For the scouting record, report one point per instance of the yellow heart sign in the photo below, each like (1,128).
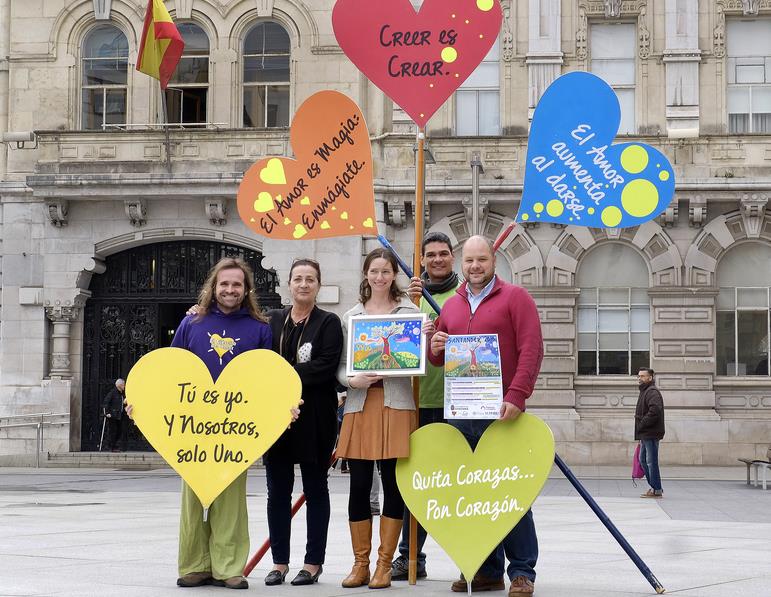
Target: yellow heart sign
(469,501)
(212,432)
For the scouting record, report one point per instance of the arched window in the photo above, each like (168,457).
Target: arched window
(188,89)
(266,76)
(743,318)
(613,312)
(104,81)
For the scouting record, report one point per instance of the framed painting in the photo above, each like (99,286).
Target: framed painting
(392,345)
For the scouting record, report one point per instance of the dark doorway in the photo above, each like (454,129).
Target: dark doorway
(168,319)
(135,307)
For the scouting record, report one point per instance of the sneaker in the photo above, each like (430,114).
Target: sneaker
(234,582)
(521,585)
(400,569)
(478,583)
(195,579)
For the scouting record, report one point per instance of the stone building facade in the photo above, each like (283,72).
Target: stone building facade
(106,224)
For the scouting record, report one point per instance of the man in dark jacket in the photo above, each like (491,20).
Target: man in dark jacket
(112,409)
(649,430)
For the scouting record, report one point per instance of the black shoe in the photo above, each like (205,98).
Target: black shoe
(306,578)
(400,569)
(276,577)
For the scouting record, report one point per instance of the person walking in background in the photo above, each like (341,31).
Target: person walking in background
(311,340)
(649,430)
(485,304)
(441,282)
(379,417)
(112,410)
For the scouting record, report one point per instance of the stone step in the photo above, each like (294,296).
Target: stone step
(122,460)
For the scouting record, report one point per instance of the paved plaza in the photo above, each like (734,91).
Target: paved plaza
(81,532)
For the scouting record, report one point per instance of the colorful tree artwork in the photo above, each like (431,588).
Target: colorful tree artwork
(386,345)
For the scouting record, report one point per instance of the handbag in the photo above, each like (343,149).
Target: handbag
(637,469)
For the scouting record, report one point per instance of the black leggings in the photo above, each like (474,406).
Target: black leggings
(361,484)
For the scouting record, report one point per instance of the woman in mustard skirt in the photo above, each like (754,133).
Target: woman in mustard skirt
(378,419)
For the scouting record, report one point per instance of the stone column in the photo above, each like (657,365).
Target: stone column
(681,58)
(62,317)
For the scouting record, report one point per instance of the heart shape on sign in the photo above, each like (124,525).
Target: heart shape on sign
(211,432)
(327,190)
(574,175)
(469,501)
(418,58)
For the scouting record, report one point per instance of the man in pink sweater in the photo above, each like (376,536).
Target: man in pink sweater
(485,304)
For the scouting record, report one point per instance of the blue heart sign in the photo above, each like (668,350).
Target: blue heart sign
(575,175)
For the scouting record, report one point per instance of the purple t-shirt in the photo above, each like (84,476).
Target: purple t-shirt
(216,338)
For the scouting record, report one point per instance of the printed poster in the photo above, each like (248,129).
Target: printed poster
(473,387)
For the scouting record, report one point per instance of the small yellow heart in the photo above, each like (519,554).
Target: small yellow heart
(287,221)
(299,231)
(368,223)
(305,201)
(344,215)
(273,173)
(325,225)
(264,203)
(334,208)
(221,345)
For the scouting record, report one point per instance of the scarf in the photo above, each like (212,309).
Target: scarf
(448,283)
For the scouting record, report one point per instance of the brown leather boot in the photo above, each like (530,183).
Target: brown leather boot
(390,530)
(361,540)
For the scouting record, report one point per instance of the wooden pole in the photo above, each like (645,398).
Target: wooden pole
(420,184)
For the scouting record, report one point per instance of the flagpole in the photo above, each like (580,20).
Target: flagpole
(419,214)
(165,118)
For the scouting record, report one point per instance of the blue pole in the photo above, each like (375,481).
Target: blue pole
(608,524)
(405,268)
(646,572)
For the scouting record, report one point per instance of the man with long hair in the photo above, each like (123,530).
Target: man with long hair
(213,549)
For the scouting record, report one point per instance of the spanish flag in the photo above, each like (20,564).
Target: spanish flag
(161,46)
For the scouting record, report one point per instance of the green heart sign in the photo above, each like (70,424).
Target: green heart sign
(469,501)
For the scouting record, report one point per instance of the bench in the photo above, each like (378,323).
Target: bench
(758,465)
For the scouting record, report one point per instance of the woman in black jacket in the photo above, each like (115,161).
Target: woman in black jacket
(311,340)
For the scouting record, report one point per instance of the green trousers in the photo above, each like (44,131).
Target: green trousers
(220,544)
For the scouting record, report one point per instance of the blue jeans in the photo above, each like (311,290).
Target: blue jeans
(427,416)
(520,546)
(649,460)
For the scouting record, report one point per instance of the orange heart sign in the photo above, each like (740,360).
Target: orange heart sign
(327,190)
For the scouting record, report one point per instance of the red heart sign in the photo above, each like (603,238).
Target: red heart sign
(327,191)
(417,59)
